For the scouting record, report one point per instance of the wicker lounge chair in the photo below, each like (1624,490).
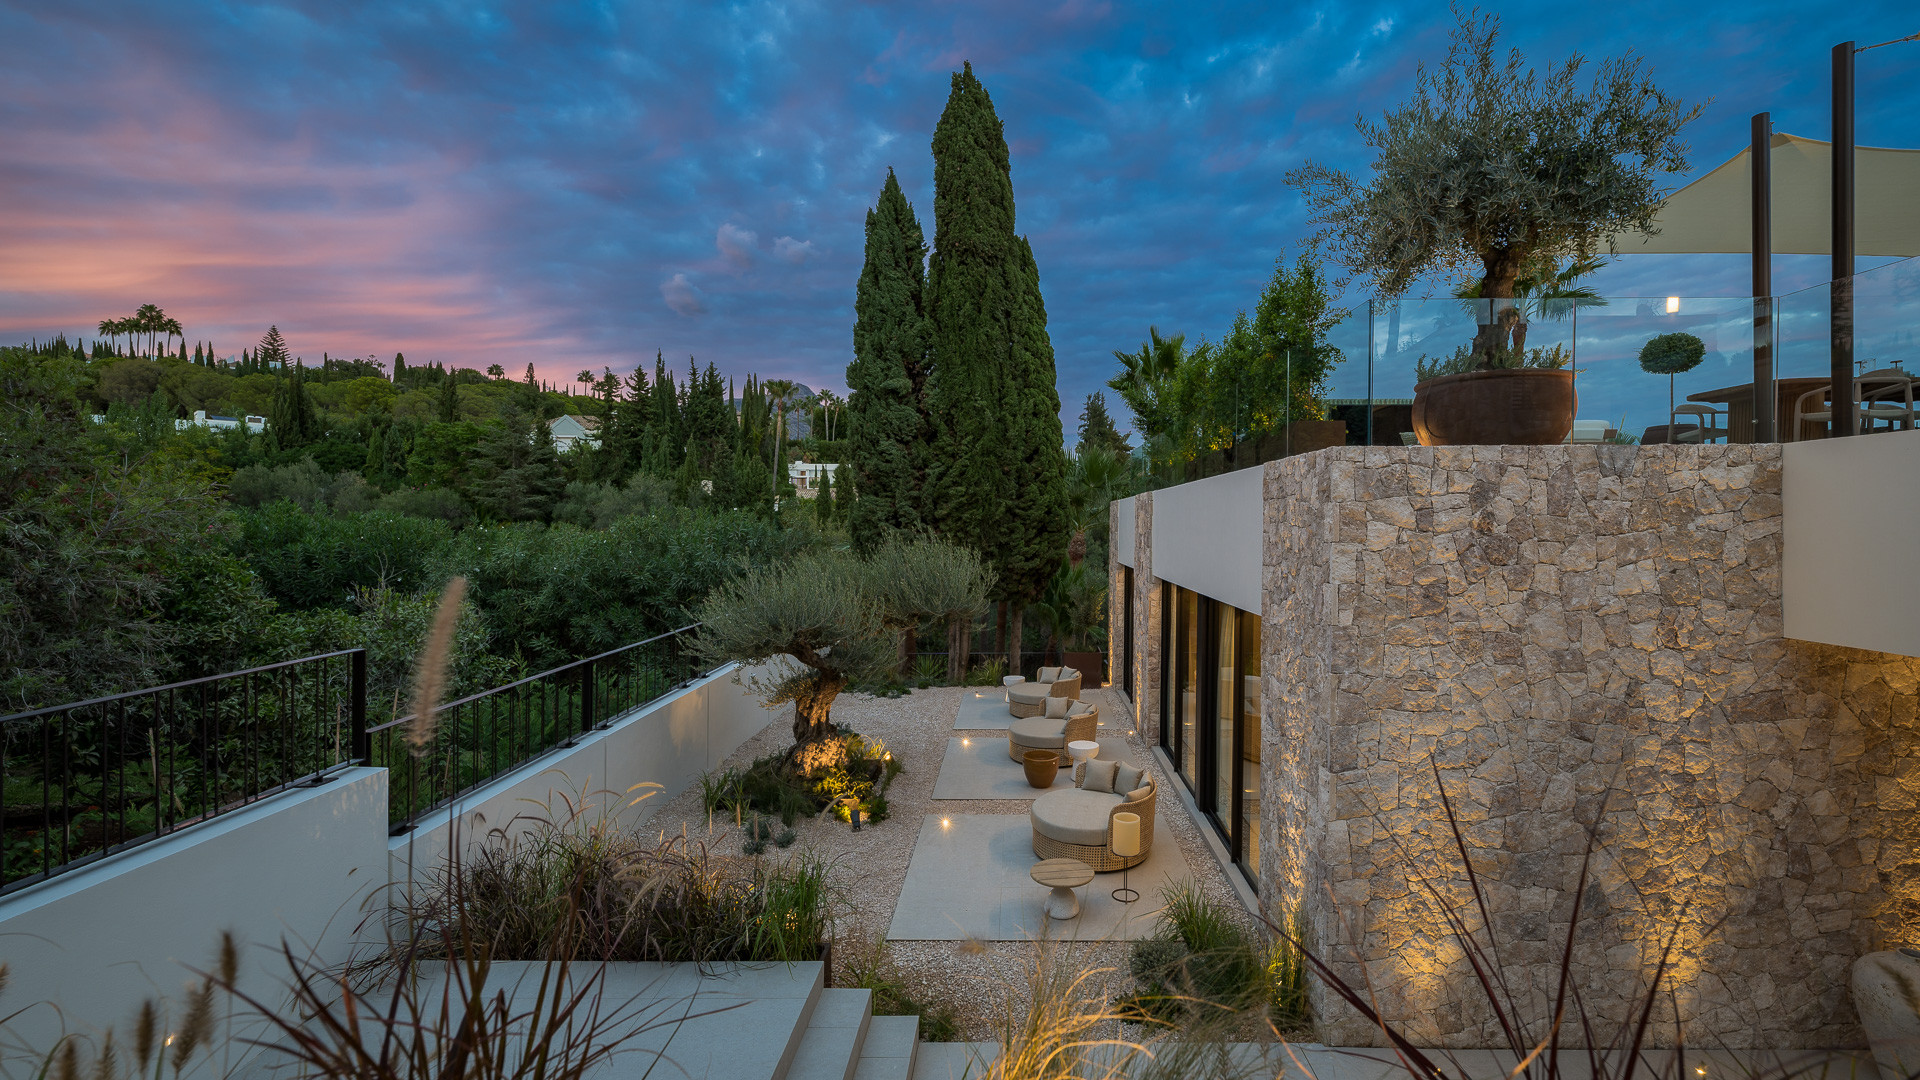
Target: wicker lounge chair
(1072,823)
(1030,698)
(1052,733)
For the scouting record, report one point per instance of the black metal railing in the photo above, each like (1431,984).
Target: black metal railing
(82,781)
(478,737)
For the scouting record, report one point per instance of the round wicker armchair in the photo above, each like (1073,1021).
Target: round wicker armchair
(1082,722)
(1074,824)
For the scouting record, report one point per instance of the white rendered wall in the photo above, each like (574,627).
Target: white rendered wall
(1850,519)
(1123,532)
(1208,536)
(314,867)
(305,867)
(669,742)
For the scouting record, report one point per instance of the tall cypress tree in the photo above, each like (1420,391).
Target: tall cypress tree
(291,419)
(996,481)
(449,400)
(889,429)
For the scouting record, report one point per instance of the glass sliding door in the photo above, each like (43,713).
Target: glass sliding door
(1247,838)
(1187,745)
(1222,709)
(1169,668)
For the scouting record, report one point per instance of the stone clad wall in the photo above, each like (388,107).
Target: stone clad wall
(1546,625)
(1146,623)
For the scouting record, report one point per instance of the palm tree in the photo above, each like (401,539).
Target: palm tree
(150,320)
(495,371)
(1144,375)
(585,378)
(779,392)
(174,329)
(1095,477)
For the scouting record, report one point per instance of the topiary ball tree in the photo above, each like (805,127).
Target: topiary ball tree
(1670,355)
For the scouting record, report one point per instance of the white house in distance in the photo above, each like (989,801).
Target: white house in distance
(255,424)
(805,476)
(570,431)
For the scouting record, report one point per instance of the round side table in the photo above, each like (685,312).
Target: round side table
(1082,749)
(1062,876)
(1011,681)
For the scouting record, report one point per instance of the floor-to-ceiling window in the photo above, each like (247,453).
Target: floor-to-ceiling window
(1210,672)
(1247,840)
(1218,796)
(1187,754)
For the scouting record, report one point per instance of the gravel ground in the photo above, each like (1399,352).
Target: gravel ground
(971,978)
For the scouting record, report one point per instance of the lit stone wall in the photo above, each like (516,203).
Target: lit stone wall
(1146,623)
(1546,624)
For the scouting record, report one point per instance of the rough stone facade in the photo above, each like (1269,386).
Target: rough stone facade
(1572,636)
(1146,623)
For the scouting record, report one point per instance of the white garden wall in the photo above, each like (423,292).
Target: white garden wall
(312,867)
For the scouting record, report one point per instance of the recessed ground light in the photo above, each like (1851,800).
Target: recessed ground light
(966,742)
(945,822)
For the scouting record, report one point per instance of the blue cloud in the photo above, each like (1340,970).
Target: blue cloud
(569,183)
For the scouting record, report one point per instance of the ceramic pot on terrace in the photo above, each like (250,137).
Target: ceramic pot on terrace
(1042,766)
(1507,406)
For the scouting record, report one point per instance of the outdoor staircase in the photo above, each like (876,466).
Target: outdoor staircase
(769,1022)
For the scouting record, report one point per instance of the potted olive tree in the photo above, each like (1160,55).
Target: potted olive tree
(1497,169)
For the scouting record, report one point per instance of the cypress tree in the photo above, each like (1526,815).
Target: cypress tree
(823,499)
(291,419)
(399,367)
(889,430)
(996,481)
(449,400)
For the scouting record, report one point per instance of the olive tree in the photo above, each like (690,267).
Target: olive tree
(925,580)
(811,625)
(1491,167)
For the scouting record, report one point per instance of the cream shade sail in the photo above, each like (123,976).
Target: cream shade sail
(1712,213)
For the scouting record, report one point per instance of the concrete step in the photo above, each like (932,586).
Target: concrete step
(888,1052)
(954,1061)
(830,1046)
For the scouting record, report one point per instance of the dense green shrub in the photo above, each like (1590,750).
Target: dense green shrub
(554,594)
(309,560)
(1202,959)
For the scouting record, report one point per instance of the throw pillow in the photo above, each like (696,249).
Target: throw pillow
(1047,674)
(1067,673)
(1099,775)
(1057,708)
(1139,793)
(1127,778)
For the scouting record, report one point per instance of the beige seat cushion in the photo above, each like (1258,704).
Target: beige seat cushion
(1073,816)
(1039,731)
(1027,693)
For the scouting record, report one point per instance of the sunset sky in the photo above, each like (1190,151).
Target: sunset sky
(580,185)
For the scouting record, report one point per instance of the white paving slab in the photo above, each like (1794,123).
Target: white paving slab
(971,878)
(983,710)
(977,767)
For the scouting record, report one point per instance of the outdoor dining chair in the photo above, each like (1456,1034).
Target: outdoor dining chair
(1695,423)
(1886,397)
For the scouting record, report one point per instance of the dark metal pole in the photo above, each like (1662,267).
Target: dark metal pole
(1761,156)
(362,742)
(1840,299)
(1370,370)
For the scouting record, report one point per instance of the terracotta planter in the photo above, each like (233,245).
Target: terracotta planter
(1089,664)
(1516,406)
(1042,766)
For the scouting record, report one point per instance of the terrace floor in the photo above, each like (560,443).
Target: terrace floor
(954,900)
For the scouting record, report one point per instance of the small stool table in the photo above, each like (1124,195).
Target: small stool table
(1082,749)
(1062,876)
(1010,681)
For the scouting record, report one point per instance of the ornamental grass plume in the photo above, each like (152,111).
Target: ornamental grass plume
(430,677)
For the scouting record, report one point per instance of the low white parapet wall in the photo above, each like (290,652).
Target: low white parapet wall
(668,742)
(314,867)
(1851,510)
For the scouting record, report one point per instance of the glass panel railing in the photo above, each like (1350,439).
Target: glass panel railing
(1637,369)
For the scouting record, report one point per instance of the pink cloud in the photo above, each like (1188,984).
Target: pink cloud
(682,296)
(736,245)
